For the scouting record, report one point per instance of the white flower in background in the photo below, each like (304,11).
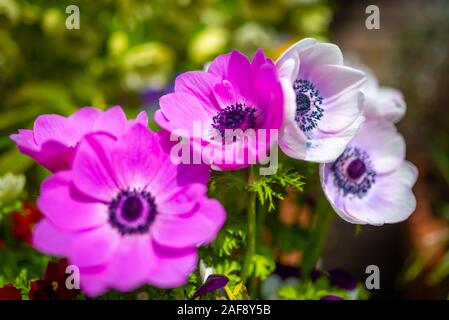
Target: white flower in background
(205,271)
(381,103)
(11,186)
(322,101)
(371,182)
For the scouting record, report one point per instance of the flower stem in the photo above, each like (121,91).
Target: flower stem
(251,231)
(315,247)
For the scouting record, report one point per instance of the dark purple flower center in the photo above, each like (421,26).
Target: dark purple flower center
(353,172)
(234,117)
(132,211)
(356,169)
(308,105)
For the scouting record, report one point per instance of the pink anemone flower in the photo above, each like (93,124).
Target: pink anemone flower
(54,138)
(125,214)
(228,105)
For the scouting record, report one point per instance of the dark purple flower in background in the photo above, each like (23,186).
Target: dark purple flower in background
(331,298)
(213,282)
(342,279)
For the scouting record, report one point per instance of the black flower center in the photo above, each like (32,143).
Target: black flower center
(132,208)
(234,117)
(308,105)
(353,172)
(356,169)
(132,211)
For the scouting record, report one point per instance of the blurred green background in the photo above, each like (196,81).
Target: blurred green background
(126,51)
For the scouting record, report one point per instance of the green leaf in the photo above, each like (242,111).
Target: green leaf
(15,162)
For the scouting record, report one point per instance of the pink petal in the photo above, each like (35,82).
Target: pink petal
(135,258)
(269,96)
(51,240)
(225,94)
(66,208)
(84,119)
(141,118)
(93,173)
(191,230)
(183,200)
(25,142)
(136,157)
(112,121)
(95,246)
(55,156)
(181,110)
(240,74)
(92,282)
(54,127)
(259,59)
(199,84)
(219,67)
(174,267)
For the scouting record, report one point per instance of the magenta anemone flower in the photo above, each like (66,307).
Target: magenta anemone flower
(230,101)
(126,215)
(322,101)
(371,183)
(54,138)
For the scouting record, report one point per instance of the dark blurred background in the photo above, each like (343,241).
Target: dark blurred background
(409,52)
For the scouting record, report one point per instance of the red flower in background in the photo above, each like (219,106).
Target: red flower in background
(53,286)
(24,220)
(9,292)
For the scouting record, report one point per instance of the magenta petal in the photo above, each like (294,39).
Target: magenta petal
(269,96)
(219,67)
(135,258)
(181,110)
(52,240)
(199,84)
(195,229)
(174,267)
(25,142)
(171,175)
(84,119)
(136,157)
(93,173)
(184,200)
(240,74)
(66,208)
(259,59)
(111,121)
(92,282)
(141,118)
(225,94)
(94,247)
(54,127)
(55,156)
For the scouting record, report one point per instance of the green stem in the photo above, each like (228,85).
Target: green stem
(316,243)
(251,232)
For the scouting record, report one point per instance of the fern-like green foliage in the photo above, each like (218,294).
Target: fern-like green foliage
(271,187)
